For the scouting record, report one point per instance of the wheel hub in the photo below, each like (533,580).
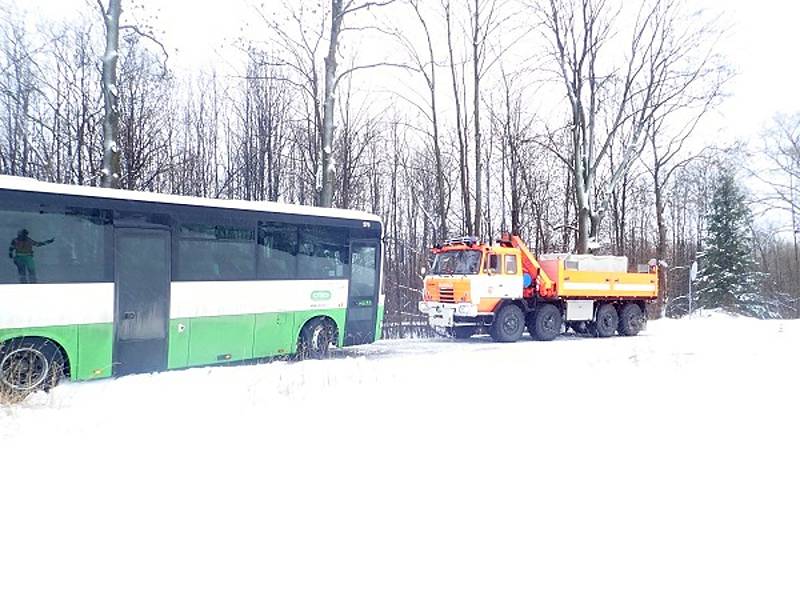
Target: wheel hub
(510,324)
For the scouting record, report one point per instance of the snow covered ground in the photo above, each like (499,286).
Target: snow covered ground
(663,466)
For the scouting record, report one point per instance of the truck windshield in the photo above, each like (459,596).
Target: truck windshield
(457,262)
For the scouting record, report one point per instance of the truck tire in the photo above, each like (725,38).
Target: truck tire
(631,320)
(508,324)
(606,321)
(545,324)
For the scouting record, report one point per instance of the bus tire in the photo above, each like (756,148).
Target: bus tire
(316,339)
(464,332)
(508,324)
(631,320)
(545,324)
(28,365)
(606,321)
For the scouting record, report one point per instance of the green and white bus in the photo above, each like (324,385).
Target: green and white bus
(99,283)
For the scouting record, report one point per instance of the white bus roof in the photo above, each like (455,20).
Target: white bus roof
(26,184)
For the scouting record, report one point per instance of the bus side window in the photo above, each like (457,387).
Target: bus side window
(50,244)
(212,252)
(277,251)
(511,264)
(323,253)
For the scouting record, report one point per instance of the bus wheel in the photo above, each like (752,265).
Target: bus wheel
(631,320)
(29,364)
(508,324)
(316,339)
(606,321)
(545,324)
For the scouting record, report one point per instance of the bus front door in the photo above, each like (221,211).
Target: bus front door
(362,304)
(141,309)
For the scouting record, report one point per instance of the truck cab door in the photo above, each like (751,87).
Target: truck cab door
(512,275)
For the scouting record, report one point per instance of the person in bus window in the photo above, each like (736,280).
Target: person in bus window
(21,252)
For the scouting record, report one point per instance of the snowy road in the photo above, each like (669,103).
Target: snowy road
(663,466)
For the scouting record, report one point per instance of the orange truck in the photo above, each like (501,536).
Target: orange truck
(503,289)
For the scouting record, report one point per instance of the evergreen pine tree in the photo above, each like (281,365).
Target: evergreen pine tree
(728,276)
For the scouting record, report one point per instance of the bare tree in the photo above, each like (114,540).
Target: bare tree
(427,67)
(110,171)
(485,24)
(693,80)
(302,57)
(461,119)
(18,93)
(111,154)
(340,11)
(606,102)
(781,155)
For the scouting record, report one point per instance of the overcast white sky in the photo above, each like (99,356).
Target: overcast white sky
(761,45)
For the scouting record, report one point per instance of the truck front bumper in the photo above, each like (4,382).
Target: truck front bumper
(442,314)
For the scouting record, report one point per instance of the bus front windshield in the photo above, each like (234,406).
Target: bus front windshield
(457,262)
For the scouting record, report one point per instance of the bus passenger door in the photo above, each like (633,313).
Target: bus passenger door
(141,309)
(362,304)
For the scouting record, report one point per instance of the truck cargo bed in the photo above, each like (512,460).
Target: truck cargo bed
(572,283)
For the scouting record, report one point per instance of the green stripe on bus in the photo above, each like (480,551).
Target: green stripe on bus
(214,340)
(379,323)
(192,342)
(95,346)
(88,347)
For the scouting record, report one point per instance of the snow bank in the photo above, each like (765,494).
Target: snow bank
(663,466)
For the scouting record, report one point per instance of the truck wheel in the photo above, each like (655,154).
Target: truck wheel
(631,320)
(463,333)
(606,321)
(508,324)
(545,324)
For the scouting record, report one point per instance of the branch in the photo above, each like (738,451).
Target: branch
(352,70)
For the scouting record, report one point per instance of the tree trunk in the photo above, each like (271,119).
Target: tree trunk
(111,154)
(462,150)
(477,119)
(661,246)
(327,165)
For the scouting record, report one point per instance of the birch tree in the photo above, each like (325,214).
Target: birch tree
(341,11)
(110,171)
(315,28)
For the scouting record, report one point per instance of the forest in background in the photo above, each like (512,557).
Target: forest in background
(576,125)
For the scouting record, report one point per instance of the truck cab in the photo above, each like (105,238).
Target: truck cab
(466,282)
